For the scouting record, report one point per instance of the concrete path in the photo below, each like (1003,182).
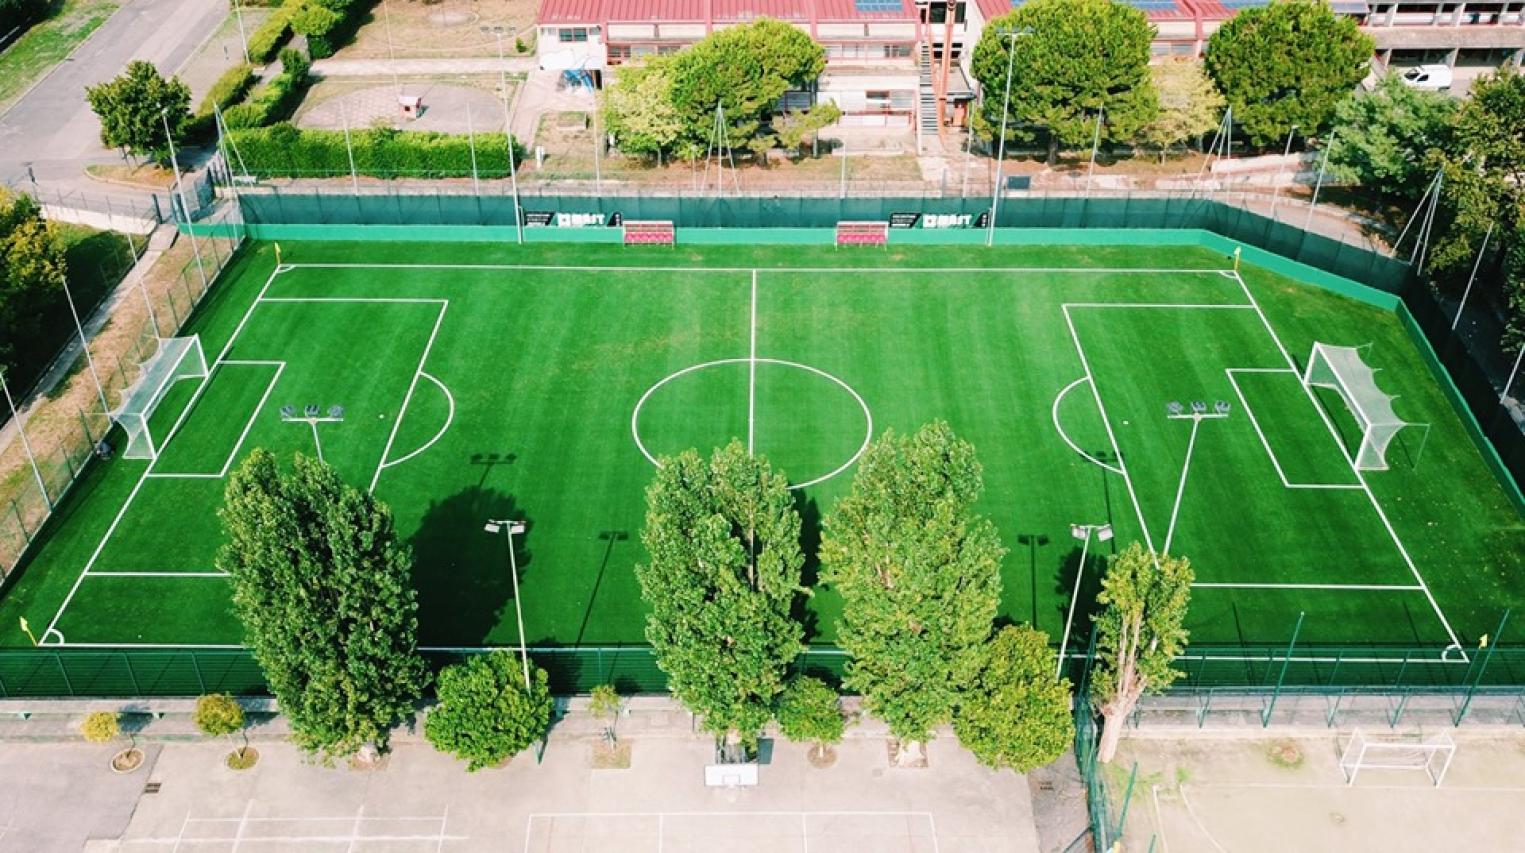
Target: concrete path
(52,127)
(422,800)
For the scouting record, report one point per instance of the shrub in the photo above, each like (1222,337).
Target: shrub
(269,36)
(484,713)
(808,711)
(218,715)
(101,727)
(284,151)
(1015,713)
(278,99)
(229,89)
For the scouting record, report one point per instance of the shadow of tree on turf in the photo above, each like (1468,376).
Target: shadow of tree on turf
(462,572)
(810,571)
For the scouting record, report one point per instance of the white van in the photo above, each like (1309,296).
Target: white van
(1433,78)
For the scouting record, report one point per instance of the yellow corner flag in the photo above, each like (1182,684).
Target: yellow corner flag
(28,629)
(277,254)
(1483,643)
(1237,249)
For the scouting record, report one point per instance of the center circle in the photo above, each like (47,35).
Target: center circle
(750,407)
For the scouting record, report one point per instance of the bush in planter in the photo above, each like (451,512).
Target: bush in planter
(809,711)
(220,715)
(485,715)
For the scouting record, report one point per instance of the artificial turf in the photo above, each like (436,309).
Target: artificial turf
(484,381)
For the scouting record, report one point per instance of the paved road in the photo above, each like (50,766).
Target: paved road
(53,128)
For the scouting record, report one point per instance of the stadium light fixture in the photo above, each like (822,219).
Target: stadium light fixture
(509,527)
(1083,532)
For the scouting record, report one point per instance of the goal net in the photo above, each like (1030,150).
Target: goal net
(1341,369)
(1430,754)
(176,359)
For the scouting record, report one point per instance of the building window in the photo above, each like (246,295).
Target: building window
(572,34)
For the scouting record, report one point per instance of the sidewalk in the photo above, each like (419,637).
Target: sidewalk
(421,67)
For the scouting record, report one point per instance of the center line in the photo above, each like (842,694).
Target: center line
(752,374)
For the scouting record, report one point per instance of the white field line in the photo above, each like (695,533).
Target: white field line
(661,820)
(205,381)
(1266,443)
(1176,305)
(1368,587)
(248,425)
(449,418)
(149,574)
(752,374)
(697,269)
(1054,413)
(444,305)
(301,299)
(1107,423)
(1175,510)
(157,476)
(1360,478)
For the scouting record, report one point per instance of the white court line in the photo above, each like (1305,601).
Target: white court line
(1238,306)
(752,374)
(1360,478)
(1175,511)
(243,823)
(661,819)
(1322,586)
(121,513)
(449,418)
(1265,442)
(1106,422)
(1054,413)
(299,299)
(444,304)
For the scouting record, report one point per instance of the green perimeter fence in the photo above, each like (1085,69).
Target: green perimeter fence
(1467,369)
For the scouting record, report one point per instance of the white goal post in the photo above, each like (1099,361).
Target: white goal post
(1343,370)
(1431,754)
(175,359)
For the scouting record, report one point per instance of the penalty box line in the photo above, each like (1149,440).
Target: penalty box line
(174,429)
(1266,442)
(1360,478)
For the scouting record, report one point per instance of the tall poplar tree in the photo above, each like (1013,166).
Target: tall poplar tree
(324,590)
(919,575)
(724,543)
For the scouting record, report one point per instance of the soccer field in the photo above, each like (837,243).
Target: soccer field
(542,382)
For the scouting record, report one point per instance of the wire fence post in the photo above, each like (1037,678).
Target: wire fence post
(1482,668)
(25,444)
(1265,715)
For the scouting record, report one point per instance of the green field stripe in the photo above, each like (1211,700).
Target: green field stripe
(1298,446)
(210,434)
(168,610)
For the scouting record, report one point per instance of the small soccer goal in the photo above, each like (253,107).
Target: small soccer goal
(1343,370)
(1431,754)
(863,233)
(651,232)
(176,359)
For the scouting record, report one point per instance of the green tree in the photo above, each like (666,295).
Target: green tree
(132,109)
(724,570)
(1384,137)
(1291,62)
(605,704)
(1077,57)
(32,270)
(919,575)
(747,68)
(323,588)
(639,110)
(1484,168)
(1016,713)
(220,715)
(1140,631)
(810,711)
(797,127)
(484,714)
(1190,105)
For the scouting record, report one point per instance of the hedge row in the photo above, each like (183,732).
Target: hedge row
(283,151)
(229,89)
(328,24)
(269,36)
(278,99)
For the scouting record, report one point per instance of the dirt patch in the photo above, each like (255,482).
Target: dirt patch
(147,175)
(448,29)
(242,759)
(610,757)
(127,760)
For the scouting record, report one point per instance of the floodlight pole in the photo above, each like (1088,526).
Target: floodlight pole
(238,11)
(25,444)
(1483,250)
(1286,152)
(354,179)
(1082,532)
(513,172)
(1095,144)
(471,142)
(185,208)
(1000,157)
(509,528)
(84,344)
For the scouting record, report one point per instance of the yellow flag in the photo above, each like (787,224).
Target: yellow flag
(24,625)
(1483,643)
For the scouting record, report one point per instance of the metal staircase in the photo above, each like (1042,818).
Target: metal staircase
(926,107)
